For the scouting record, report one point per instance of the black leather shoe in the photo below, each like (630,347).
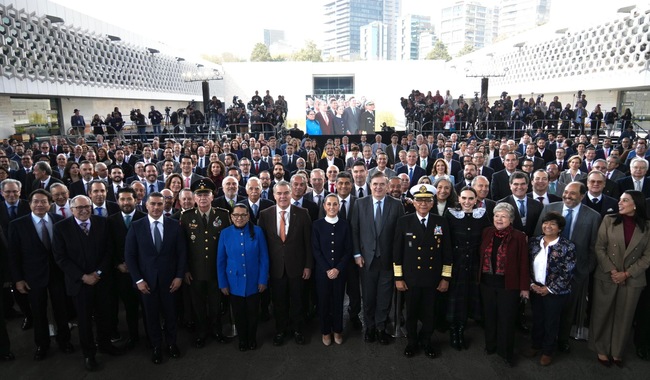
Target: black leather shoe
(40,353)
(430,352)
(109,349)
(218,337)
(66,348)
(370,336)
(90,363)
(618,363)
(131,343)
(173,351)
(199,343)
(299,338)
(563,347)
(27,324)
(356,323)
(384,338)
(243,346)
(252,345)
(156,356)
(409,351)
(278,339)
(7,357)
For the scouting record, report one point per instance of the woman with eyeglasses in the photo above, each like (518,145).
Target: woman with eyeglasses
(242,272)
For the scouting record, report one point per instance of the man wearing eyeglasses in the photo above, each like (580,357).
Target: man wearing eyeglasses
(202,227)
(79,247)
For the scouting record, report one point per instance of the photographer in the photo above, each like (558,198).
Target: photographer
(566,116)
(98,125)
(141,123)
(117,123)
(156,119)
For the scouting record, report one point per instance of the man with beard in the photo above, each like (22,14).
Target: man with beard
(469,172)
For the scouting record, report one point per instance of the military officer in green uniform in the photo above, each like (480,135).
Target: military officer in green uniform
(422,254)
(202,226)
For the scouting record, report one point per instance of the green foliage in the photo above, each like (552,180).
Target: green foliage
(465,50)
(260,53)
(438,52)
(309,53)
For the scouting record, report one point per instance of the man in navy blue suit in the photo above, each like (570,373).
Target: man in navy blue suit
(411,168)
(155,253)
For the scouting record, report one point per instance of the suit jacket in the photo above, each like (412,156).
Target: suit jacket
(311,207)
(429,166)
(393,158)
(22,210)
(285,162)
(611,253)
(146,263)
(221,202)
(559,267)
(627,183)
(264,204)
(611,188)
(29,259)
(367,241)
(294,254)
(500,185)
(36,184)
(332,248)
(262,166)
(486,172)
(117,231)
(111,208)
(77,188)
(548,156)
(390,173)
(533,210)
(322,164)
(616,175)
(606,206)
(538,163)
(78,254)
(583,235)
(193,178)
(551,197)
(326,128)
(311,197)
(423,256)
(418,172)
(517,269)
(497,164)
(352,120)
(565,177)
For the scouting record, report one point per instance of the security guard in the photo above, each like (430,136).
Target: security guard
(422,256)
(202,226)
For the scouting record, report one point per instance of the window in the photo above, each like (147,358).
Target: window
(333,85)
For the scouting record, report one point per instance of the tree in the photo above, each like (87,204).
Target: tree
(260,53)
(309,53)
(465,50)
(224,57)
(439,51)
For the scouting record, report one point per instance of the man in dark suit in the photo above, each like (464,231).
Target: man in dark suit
(152,184)
(531,149)
(422,234)
(155,253)
(351,116)
(479,160)
(43,178)
(637,179)
(500,184)
(101,207)
(329,159)
(540,189)
(82,186)
(288,235)
(411,168)
(80,249)
(289,159)
(374,219)
(230,195)
(498,163)
(254,203)
(118,226)
(582,230)
(257,165)
(5,346)
(424,161)
(527,209)
(595,198)
(202,227)
(298,188)
(13,207)
(393,149)
(189,177)
(35,273)
(611,188)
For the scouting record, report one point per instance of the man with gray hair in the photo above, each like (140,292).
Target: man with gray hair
(43,176)
(60,196)
(230,197)
(637,179)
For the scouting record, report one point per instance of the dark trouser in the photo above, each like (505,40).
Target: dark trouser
(184,309)
(91,301)
(206,300)
(157,302)
(130,297)
(265,300)
(570,310)
(20,299)
(245,311)
(419,306)
(287,296)
(546,320)
(330,303)
(38,302)
(642,319)
(377,285)
(500,308)
(353,290)
(5,345)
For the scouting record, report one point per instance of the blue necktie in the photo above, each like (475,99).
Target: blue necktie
(522,208)
(569,219)
(255,207)
(127,221)
(157,237)
(410,174)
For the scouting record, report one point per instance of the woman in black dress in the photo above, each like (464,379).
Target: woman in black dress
(466,224)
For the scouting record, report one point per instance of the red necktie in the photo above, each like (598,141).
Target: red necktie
(331,187)
(187,182)
(257,166)
(62,209)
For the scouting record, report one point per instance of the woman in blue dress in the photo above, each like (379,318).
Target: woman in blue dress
(312,126)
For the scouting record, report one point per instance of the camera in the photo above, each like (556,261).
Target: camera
(168,109)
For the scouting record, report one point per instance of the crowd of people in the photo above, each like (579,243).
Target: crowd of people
(490,231)
(508,117)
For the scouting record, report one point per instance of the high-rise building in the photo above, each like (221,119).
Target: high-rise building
(409,30)
(426,41)
(466,23)
(374,42)
(273,36)
(343,20)
(516,16)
